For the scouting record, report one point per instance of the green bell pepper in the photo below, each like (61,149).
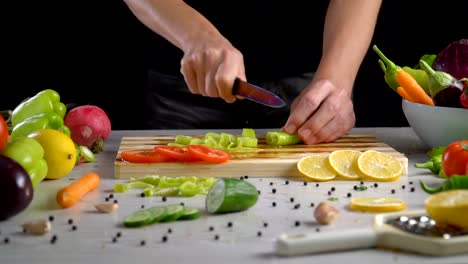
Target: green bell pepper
(29,153)
(44,120)
(45,101)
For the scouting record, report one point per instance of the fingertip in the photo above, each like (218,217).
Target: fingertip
(290,128)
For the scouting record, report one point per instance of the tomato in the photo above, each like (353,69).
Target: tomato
(177,153)
(3,132)
(208,154)
(143,156)
(455,158)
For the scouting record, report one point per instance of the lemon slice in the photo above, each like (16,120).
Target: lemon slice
(449,207)
(316,167)
(379,166)
(344,163)
(377,204)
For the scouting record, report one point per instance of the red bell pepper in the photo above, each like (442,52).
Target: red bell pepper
(464,95)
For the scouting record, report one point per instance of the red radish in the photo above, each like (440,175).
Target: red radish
(89,126)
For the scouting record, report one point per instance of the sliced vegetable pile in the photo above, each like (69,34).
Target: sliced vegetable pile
(158,214)
(154,185)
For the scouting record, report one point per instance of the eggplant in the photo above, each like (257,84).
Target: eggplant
(449,97)
(16,189)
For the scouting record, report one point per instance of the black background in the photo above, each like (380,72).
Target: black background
(93,52)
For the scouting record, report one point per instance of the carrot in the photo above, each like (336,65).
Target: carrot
(402,92)
(413,89)
(71,194)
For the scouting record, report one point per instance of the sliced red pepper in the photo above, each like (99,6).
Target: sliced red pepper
(143,156)
(174,152)
(208,154)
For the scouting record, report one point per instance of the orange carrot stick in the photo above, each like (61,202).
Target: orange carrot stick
(413,89)
(402,92)
(71,194)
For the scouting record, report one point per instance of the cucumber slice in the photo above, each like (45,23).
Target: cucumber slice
(158,214)
(190,213)
(138,218)
(230,195)
(173,212)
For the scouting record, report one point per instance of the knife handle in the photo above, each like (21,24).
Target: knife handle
(301,244)
(235,86)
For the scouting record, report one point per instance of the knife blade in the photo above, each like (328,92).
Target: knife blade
(257,94)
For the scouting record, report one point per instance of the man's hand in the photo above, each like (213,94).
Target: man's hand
(321,113)
(210,66)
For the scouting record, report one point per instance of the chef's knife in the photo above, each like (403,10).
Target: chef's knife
(257,94)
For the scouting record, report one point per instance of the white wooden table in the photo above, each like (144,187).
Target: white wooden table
(192,241)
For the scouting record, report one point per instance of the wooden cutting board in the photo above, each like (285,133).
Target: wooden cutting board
(267,161)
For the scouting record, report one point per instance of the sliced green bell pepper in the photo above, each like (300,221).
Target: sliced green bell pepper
(39,121)
(45,101)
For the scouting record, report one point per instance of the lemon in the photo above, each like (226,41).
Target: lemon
(59,151)
(449,207)
(379,166)
(344,163)
(376,204)
(316,167)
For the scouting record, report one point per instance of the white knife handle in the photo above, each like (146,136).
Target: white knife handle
(300,244)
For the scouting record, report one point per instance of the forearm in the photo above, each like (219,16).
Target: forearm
(172,19)
(348,30)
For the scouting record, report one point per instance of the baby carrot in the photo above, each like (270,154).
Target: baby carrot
(71,194)
(401,91)
(414,90)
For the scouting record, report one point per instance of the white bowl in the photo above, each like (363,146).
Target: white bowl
(436,125)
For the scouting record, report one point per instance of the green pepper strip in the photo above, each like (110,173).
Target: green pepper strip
(280,138)
(453,183)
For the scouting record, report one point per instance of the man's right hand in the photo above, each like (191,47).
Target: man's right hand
(210,65)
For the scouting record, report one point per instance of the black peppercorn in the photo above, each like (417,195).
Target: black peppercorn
(376,185)
(211,228)
(74,227)
(118,234)
(291,199)
(273,190)
(142,243)
(111,196)
(286,182)
(403,186)
(312,204)
(393,190)
(265,224)
(297,223)
(114,240)
(333,189)
(169,230)
(305,183)
(271,183)
(164,239)
(164,198)
(229,224)
(259,233)
(296,206)
(412,189)
(348,194)
(6,240)
(273,204)
(216,237)
(51,218)
(70,221)
(107,198)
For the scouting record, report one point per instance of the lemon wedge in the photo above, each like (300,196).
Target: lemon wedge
(379,166)
(344,163)
(449,207)
(376,204)
(316,167)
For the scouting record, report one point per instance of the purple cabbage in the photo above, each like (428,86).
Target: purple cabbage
(453,59)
